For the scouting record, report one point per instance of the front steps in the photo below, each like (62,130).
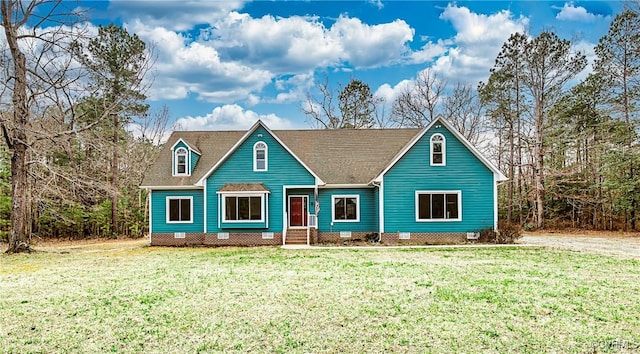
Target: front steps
(296,237)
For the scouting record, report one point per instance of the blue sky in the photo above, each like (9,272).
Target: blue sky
(224,64)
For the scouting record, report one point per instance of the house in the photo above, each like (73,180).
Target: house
(268,187)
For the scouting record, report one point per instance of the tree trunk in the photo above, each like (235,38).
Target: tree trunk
(539,167)
(16,138)
(19,235)
(511,172)
(114,178)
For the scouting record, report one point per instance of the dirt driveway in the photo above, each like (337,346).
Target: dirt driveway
(627,245)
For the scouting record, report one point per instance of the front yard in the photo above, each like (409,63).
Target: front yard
(134,298)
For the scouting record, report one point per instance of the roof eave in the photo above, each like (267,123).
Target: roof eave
(191,147)
(251,130)
(499,175)
(191,186)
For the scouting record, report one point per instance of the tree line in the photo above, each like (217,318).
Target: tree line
(77,132)
(570,147)
(78,135)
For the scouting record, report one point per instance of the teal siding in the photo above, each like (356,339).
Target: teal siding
(159,211)
(181,144)
(368,210)
(283,169)
(194,160)
(463,171)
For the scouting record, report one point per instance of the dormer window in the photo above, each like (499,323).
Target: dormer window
(260,157)
(438,150)
(181,159)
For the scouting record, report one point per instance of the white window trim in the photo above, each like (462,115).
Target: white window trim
(190,211)
(266,157)
(417,206)
(187,169)
(223,205)
(444,150)
(333,207)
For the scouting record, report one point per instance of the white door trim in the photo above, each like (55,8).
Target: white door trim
(304,221)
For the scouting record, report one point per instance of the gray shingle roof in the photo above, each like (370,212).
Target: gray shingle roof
(343,156)
(346,156)
(212,145)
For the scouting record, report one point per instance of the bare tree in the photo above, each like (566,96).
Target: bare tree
(358,107)
(464,109)
(40,79)
(418,105)
(322,113)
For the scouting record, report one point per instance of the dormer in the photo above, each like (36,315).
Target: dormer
(184,157)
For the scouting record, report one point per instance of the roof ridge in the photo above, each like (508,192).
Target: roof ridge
(295,130)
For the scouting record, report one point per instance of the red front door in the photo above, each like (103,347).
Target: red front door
(297,211)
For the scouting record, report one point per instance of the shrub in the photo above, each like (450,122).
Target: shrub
(508,232)
(372,237)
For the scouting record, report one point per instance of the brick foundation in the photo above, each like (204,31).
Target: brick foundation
(211,239)
(334,237)
(424,238)
(255,239)
(190,239)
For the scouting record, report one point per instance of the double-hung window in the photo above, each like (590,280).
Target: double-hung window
(346,208)
(438,206)
(260,157)
(438,150)
(181,161)
(179,210)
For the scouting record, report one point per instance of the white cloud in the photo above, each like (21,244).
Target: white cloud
(389,93)
(588,49)
(239,55)
(173,15)
(280,45)
(296,44)
(570,12)
(294,88)
(368,46)
(185,67)
(476,44)
(252,100)
(429,51)
(231,117)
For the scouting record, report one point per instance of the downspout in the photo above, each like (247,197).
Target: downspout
(380,209)
(284,215)
(204,207)
(316,209)
(149,191)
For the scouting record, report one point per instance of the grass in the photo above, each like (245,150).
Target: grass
(159,300)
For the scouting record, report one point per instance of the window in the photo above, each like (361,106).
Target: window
(346,208)
(179,210)
(260,156)
(181,162)
(243,208)
(438,152)
(438,206)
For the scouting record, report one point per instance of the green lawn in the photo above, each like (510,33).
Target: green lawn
(148,299)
